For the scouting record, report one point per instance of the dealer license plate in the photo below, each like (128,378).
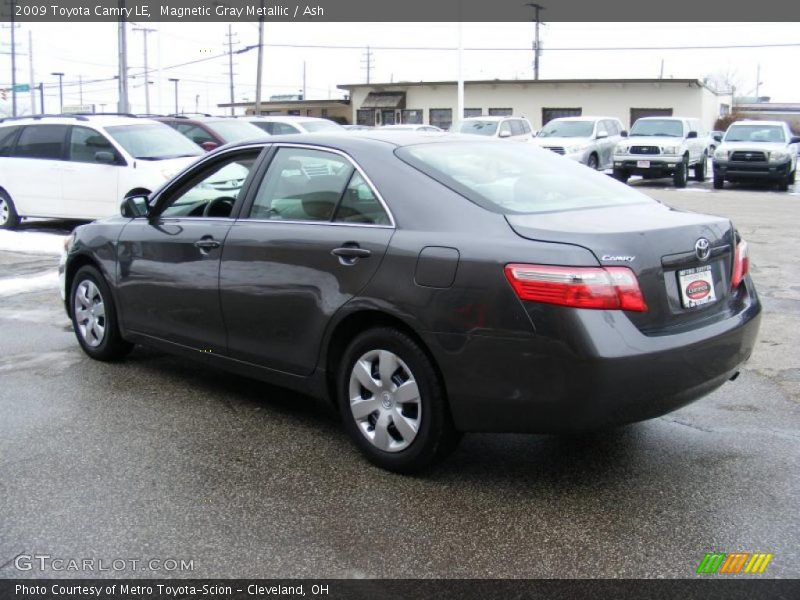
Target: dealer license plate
(697,286)
(643,164)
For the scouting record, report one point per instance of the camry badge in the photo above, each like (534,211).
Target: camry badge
(702,248)
(611,257)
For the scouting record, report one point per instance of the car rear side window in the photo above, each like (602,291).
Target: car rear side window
(7,135)
(360,205)
(302,185)
(516,127)
(193,132)
(517,178)
(41,141)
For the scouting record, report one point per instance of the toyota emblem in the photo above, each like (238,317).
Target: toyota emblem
(702,248)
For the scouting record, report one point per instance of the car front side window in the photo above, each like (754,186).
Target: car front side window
(85,144)
(214,189)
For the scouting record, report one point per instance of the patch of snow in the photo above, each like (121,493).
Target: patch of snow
(31,242)
(18,285)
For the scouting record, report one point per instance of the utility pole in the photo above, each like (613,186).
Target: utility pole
(230,65)
(367,62)
(123,105)
(758,79)
(661,73)
(460,87)
(13,63)
(80,90)
(145,31)
(304,81)
(260,59)
(175,81)
(30,73)
(41,98)
(536,45)
(60,91)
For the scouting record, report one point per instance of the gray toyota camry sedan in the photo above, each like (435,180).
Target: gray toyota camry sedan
(426,284)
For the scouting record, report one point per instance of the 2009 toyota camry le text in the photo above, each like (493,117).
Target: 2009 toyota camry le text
(426,284)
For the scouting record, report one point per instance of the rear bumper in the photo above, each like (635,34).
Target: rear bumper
(594,370)
(759,171)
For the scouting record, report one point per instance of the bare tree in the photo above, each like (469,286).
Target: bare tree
(725,79)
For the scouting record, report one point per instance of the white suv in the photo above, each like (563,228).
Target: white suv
(81,167)
(512,128)
(588,140)
(663,147)
(290,124)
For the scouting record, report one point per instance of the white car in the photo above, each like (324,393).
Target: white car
(512,128)
(757,151)
(588,140)
(663,147)
(289,124)
(412,127)
(81,167)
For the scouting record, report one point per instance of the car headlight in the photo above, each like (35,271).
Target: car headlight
(720,154)
(622,149)
(670,149)
(576,148)
(778,156)
(166,173)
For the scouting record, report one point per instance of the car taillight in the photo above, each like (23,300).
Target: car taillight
(741,264)
(610,288)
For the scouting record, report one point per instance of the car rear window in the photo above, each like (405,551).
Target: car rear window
(517,178)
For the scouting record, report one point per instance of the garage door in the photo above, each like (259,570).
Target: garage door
(638,113)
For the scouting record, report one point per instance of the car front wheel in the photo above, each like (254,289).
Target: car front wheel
(94,317)
(392,402)
(681,174)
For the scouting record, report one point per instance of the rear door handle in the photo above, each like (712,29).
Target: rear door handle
(350,253)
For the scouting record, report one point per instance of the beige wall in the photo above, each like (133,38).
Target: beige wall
(527,99)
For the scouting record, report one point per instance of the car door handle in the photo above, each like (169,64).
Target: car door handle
(207,243)
(350,253)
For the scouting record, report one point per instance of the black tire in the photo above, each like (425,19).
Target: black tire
(719,182)
(783,184)
(593,163)
(681,174)
(435,436)
(9,219)
(110,346)
(700,169)
(620,175)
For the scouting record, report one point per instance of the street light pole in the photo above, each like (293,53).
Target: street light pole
(536,51)
(260,59)
(60,91)
(175,81)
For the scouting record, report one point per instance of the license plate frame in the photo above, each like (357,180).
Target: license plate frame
(696,286)
(642,164)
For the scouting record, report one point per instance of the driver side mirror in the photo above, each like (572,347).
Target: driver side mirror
(134,207)
(504,134)
(795,139)
(104,157)
(691,135)
(602,135)
(624,133)
(717,137)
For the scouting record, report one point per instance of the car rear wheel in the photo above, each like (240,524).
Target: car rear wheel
(700,169)
(719,182)
(392,402)
(620,175)
(681,174)
(94,317)
(8,212)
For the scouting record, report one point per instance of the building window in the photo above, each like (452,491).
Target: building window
(548,114)
(473,112)
(441,117)
(365,116)
(638,113)
(411,116)
(501,112)
(293,113)
(324,112)
(387,117)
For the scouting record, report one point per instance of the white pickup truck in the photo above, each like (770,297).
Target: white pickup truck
(663,147)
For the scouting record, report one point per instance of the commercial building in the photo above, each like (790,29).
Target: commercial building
(336,110)
(540,101)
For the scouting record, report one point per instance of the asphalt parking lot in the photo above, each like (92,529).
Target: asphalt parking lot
(156,457)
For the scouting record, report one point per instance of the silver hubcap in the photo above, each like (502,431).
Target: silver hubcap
(90,313)
(3,211)
(385,401)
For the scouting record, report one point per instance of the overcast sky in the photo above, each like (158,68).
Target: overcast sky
(89,50)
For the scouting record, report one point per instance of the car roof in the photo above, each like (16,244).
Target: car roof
(289,118)
(97,120)
(491,118)
(582,118)
(758,122)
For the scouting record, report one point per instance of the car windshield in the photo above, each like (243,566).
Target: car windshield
(232,130)
(567,129)
(755,133)
(658,127)
(313,126)
(517,178)
(153,141)
(476,127)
